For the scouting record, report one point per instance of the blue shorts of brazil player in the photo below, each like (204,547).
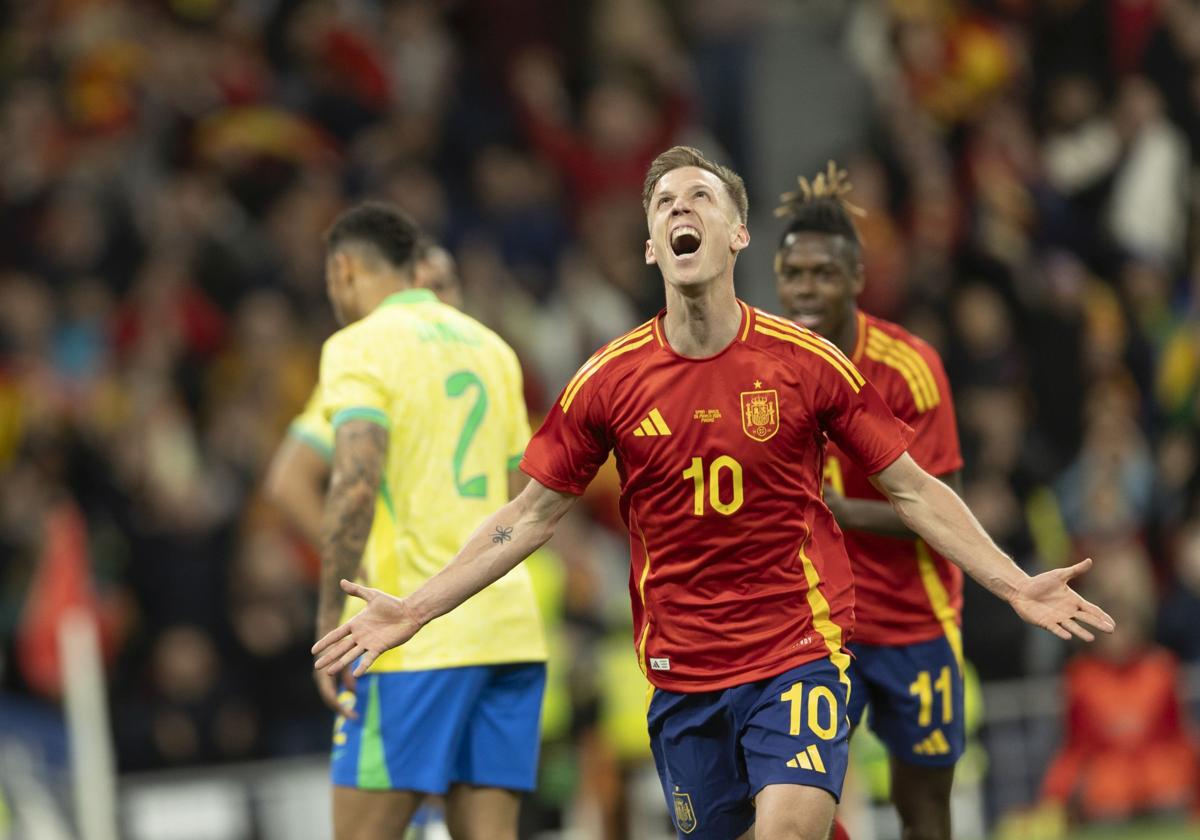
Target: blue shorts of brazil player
(716,750)
(427,730)
(915,694)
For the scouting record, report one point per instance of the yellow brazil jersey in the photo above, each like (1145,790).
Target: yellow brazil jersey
(449,392)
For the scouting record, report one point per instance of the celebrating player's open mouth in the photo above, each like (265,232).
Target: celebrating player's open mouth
(685,242)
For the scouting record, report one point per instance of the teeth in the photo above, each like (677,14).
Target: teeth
(686,229)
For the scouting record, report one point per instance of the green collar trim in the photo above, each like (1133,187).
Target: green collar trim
(409,296)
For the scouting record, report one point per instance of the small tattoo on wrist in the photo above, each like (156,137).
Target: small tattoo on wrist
(502,535)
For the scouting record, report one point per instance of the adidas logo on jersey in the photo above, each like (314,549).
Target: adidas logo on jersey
(810,759)
(652,426)
(935,744)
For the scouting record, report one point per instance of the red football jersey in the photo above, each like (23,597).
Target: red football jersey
(904,591)
(720,464)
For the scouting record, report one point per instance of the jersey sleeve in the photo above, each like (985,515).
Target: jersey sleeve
(935,445)
(353,380)
(858,420)
(572,444)
(312,428)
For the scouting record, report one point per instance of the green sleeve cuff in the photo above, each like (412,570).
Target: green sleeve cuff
(308,438)
(515,461)
(374,415)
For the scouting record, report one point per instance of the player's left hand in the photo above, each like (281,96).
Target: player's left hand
(385,623)
(1047,601)
(341,701)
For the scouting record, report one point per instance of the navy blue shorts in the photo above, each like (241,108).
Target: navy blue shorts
(915,695)
(716,750)
(427,730)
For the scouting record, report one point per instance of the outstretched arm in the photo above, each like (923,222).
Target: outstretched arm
(876,517)
(934,512)
(505,539)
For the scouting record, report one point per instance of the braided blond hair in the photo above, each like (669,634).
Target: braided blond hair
(831,185)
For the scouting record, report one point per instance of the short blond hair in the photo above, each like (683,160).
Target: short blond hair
(678,157)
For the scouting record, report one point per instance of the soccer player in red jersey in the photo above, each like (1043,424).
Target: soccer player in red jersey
(718,414)
(907,646)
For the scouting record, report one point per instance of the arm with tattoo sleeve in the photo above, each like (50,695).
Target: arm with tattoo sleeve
(359,456)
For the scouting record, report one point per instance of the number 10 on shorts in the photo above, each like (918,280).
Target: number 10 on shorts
(820,707)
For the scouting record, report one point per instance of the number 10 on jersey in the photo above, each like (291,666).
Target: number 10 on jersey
(721,502)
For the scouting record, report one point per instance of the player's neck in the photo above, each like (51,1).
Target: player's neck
(704,323)
(380,290)
(846,338)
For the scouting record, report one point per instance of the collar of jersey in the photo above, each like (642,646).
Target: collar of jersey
(739,338)
(860,343)
(408,296)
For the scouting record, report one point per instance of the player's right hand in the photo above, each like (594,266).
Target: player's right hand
(383,624)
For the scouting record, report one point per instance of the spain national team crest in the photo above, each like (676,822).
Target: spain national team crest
(685,815)
(760,413)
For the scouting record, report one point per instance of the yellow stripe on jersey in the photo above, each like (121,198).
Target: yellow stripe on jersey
(903,352)
(629,341)
(922,367)
(886,355)
(861,342)
(794,329)
(939,599)
(813,347)
(641,647)
(823,623)
(900,357)
(635,333)
(746,315)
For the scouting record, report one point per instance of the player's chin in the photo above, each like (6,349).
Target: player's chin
(689,271)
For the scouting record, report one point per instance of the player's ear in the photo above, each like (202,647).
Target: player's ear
(650,258)
(740,238)
(341,267)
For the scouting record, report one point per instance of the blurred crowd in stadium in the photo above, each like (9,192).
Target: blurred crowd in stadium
(168,168)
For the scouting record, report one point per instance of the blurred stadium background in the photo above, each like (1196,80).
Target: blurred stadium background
(167,168)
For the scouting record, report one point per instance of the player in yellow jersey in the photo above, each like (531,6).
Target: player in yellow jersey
(298,475)
(429,420)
